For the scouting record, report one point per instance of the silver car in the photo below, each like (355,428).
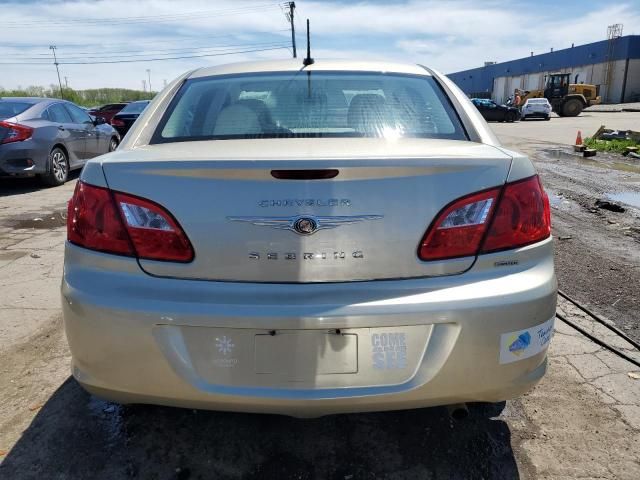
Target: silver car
(346,236)
(49,137)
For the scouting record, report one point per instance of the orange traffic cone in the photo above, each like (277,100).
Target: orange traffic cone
(579,138)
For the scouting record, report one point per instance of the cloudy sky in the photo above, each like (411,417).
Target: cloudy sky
(131,35)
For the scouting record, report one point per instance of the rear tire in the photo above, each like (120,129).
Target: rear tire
(547,117)
(510,117)
(58,168)
(523,118)
(572,108)
(113,144)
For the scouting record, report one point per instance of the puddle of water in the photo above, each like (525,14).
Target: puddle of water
(630,198)
(555,200)
(559,153)
(566,154)
(47,221)
(619,166)
(626,168)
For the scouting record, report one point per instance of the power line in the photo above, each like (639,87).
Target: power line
(64,23)
(151,59)
(143,42)
(89,55)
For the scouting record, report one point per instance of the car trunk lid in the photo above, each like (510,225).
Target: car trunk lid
(367,219)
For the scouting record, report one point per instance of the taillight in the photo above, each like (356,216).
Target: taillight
(14,132)
(155,233)
(118,223)
(116,122)
(523,216)
(94,222)
(460,227)
(489,221)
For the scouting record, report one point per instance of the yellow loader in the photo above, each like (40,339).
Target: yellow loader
(566,99)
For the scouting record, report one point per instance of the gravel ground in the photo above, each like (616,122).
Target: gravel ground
(582,421)
(597,250)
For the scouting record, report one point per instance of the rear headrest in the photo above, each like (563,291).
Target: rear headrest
(260,108)
(237,120)
(367,112)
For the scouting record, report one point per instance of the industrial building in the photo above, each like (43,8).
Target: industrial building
(612,65)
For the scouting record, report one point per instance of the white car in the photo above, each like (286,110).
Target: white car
(536,108)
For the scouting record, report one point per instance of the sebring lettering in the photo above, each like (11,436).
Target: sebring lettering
(335,255)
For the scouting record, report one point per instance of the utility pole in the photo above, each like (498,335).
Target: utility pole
(55,62)
(292,7)
(149,74)
(66,82)
(144,85)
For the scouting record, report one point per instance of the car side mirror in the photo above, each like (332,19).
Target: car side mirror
(99,121)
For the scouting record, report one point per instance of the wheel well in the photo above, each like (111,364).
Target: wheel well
(64,149)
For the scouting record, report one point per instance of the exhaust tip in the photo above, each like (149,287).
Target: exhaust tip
(458,411)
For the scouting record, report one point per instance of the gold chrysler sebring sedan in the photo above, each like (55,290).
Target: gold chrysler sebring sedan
(307,240)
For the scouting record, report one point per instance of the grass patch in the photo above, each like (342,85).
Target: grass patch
(614,146)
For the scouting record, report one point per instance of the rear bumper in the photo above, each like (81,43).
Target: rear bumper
(530,114)
(140,339)
(23,158)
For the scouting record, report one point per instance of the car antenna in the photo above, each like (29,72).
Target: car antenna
(308,60)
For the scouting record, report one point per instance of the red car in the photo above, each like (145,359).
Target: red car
(108,111)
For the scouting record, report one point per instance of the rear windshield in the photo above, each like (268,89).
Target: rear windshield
(10,109)
(135,107)
(309,104)
(537,100)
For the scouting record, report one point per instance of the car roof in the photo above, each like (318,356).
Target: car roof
(32,100)
(294,65)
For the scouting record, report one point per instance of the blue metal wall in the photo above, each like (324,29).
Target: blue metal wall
(481,79)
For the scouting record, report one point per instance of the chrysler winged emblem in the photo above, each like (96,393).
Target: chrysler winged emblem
(305,224)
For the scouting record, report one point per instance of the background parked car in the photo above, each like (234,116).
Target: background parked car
(123,120)
(49,137)
(108,111)
(491,111)
(536,108)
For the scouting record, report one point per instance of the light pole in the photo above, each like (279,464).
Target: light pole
(149,75)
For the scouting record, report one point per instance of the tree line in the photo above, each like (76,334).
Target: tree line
(87,98)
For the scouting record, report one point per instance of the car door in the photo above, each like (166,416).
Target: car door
(480,105)
(493,111)
(94,144)
(72,134)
